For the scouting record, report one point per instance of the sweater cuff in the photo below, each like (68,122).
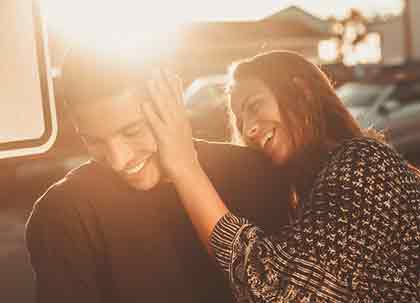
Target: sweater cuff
(223,237)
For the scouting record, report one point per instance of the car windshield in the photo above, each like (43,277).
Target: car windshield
(407,100)
(208,92)
(407,93)
(205,89)
(358,94)
(407,112)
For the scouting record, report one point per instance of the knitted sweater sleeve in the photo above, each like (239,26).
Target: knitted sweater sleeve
(349,243)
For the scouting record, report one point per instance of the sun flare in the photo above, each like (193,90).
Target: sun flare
(124,26)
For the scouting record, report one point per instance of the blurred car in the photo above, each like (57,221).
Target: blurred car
(390,107)
(206,102)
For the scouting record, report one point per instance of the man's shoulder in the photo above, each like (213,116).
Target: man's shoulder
(74,188)
(226,156)
(79,178)
(63,212)
(221,148)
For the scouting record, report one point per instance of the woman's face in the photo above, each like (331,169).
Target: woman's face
(259,119)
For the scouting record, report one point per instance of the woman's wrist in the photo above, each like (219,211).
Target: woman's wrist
(200,199)
(188,172)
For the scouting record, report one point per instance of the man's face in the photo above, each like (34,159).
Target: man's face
(117,134)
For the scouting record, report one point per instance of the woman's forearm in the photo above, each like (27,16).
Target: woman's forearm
(169,122)
(201,201)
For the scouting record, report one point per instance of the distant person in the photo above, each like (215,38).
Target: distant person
(113,230)
(356,233)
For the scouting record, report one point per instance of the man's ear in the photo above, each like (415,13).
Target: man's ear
(303,86)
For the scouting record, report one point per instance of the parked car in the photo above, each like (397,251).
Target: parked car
(206,102)
(390,107)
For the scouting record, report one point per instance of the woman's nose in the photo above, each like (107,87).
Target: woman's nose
(252,131)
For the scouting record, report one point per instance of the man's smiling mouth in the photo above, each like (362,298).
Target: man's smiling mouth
(137,168)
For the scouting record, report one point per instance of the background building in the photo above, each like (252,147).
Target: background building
(400,35)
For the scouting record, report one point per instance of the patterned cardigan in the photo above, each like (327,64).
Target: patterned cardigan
(358,239)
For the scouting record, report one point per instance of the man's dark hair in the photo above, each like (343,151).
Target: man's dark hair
(88,76)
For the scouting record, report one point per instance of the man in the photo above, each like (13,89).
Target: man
(113,229)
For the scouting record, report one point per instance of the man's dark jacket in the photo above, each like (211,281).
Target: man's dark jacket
(92,238)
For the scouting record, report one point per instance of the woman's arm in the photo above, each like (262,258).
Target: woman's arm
(169,122)
(202,203)
(259,267)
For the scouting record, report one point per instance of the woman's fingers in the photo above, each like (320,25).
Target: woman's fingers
(171,128)
(173,88)
(166,90)
(154,120)
(158,100)
(175,84)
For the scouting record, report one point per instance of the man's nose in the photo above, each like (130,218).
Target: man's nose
(119,155)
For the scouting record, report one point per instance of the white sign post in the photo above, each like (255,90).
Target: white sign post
(28,123)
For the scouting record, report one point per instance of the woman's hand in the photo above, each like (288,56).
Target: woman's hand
(168,119)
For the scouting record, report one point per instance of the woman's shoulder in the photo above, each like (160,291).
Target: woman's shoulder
(364,159)
(365,151)
(362,167)
(357,158)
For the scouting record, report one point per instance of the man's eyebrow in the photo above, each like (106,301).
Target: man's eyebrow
(120,130)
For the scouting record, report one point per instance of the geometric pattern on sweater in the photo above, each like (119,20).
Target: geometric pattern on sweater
(358,239)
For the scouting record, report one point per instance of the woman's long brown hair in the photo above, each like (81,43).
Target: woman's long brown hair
(315,118)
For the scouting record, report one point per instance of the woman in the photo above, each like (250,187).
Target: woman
(356,233)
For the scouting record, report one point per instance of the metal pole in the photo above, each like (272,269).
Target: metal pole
(408,37)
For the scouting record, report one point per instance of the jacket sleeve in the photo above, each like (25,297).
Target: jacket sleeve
(62,251)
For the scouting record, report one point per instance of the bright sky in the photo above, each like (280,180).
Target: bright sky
(146,19)
(251,9)
(185,10)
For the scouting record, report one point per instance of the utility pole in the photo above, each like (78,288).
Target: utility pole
(408,34)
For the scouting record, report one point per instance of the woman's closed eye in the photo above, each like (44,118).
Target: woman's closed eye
(253,106)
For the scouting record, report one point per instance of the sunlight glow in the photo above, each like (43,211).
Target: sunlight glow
(148,27)
(253,10)
(366,52)
(328,50)
(127,27)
